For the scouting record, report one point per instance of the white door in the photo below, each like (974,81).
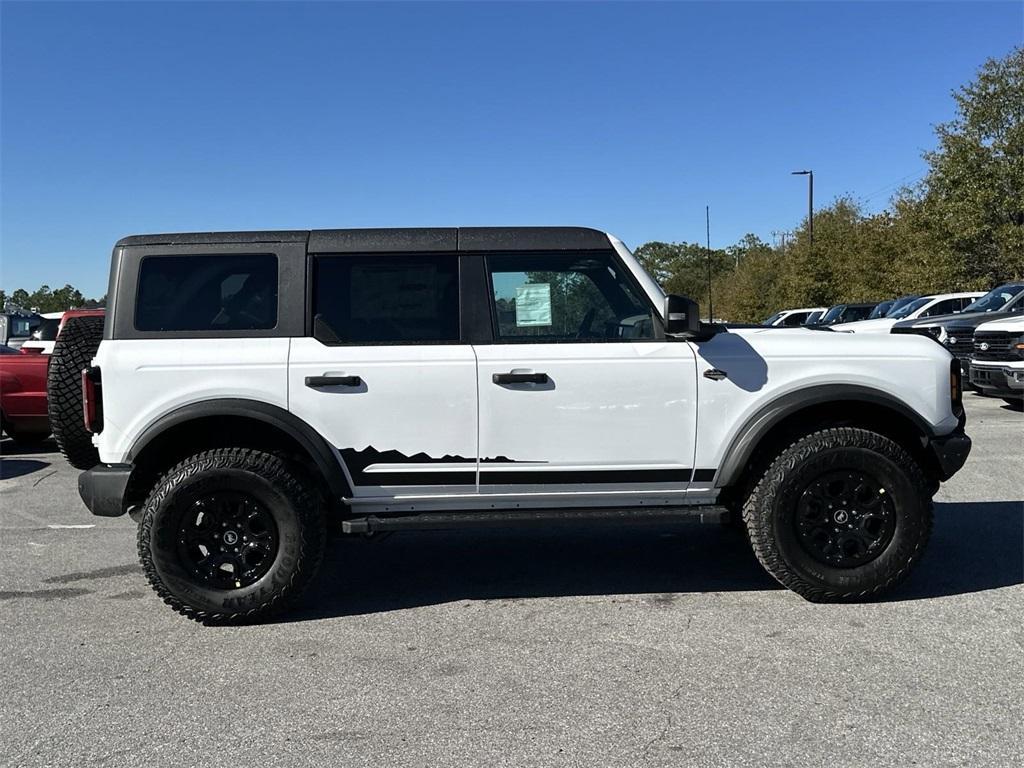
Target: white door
(384,378)
(579,401)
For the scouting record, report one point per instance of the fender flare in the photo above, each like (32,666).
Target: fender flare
(747,438)
(307,437)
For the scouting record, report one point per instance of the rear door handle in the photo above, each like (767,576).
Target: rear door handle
(519,378)
(315,382)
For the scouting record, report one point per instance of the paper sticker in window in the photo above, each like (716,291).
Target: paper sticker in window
(533,305)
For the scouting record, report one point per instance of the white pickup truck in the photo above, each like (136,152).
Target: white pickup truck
(248,388)
(997,364)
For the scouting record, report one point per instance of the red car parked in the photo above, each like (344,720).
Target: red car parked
(23,395)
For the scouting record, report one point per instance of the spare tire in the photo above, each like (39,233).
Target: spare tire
(75,347)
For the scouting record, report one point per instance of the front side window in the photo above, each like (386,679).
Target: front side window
(566,297)
(386,299)
(945,307)
(217,292)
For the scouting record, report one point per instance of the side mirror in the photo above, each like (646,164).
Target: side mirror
(682,316)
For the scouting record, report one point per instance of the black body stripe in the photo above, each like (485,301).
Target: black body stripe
(569,477)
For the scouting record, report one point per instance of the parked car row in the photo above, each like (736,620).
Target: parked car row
(24,405)
(984,331)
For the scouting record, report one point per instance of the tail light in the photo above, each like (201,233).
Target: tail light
(92,400)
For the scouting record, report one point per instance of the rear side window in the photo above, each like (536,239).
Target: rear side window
(227,292)
(386,299)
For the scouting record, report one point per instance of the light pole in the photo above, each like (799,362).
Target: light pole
(810,205)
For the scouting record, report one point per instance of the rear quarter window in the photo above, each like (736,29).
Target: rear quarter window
(222,292)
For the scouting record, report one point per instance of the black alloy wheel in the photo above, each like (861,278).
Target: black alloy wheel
(845,519)
(228,539)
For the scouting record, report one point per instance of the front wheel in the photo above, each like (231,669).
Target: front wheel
(231,534)
(841,514)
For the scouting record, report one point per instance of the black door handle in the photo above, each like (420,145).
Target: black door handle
(333,381)
(519,378)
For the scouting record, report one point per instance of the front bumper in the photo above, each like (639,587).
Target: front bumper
(102,488)
(951,452)
(1002,380)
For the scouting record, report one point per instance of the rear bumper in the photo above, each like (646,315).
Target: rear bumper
(951,452)
(102,488)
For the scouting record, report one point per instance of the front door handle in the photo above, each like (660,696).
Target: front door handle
(519,378)
(315,382)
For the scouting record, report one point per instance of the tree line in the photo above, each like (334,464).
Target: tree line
(961,227)
(45,300)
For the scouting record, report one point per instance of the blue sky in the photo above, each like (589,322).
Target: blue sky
(147,117)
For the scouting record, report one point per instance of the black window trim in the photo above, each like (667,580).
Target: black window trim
(121,310)
(311,289)
(641,294)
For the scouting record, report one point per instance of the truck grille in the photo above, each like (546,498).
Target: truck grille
(960,341)
(992,345)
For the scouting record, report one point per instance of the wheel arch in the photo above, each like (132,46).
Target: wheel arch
(806,410)
(248,423)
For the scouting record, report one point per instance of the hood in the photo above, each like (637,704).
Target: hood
(969,319)
(1012,324)
(878,325)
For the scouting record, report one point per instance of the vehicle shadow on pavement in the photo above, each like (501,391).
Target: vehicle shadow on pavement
(11,448)
(421,568)
(976,546)
(11,468)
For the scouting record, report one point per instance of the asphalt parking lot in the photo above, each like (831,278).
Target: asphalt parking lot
(604,647)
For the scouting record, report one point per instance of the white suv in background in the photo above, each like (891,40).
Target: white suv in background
(793,317)
(997,365)
(926,306)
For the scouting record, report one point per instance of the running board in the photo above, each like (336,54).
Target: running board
(493,518)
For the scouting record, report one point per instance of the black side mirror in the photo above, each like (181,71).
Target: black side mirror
(682,316)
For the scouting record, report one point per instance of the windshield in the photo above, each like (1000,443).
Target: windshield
(900,302)
(881,309)
(833,314)
(995,299)
(907,309)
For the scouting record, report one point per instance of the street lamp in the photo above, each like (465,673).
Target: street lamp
(810,204)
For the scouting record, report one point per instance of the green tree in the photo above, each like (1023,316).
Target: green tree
(973,195)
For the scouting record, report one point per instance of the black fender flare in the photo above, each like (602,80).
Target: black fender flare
(297,429)
(746,440)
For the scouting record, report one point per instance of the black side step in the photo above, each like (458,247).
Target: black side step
(496,518)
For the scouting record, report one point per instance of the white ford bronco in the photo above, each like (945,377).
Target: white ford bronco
(249,390)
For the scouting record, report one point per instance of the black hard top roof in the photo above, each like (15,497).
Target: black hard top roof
(393,240)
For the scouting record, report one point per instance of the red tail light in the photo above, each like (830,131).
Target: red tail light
(92,400)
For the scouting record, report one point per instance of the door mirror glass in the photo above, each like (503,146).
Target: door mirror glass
(682,316)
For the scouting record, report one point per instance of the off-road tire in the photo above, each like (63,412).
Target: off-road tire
(297,512)
(74,349)
(770,509)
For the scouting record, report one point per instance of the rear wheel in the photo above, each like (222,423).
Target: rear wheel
(231,534)
(842,514)
(72,352)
